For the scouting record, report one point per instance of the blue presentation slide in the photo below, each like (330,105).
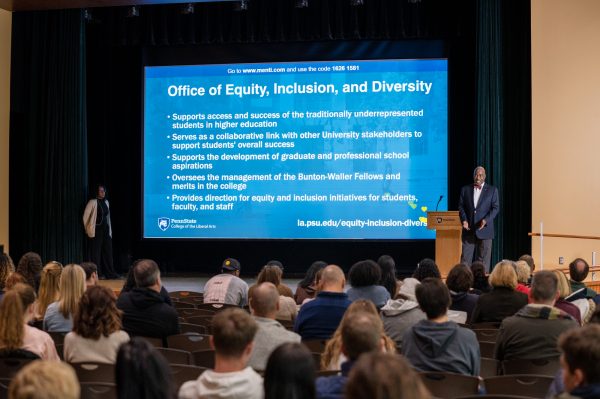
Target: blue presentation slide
(295,150)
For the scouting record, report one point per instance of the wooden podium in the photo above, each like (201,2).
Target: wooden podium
(448,244)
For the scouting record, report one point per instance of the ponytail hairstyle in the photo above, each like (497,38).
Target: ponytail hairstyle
(49,286)
(72,287)
(12,315)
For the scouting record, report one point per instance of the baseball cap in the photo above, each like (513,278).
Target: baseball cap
(231,264)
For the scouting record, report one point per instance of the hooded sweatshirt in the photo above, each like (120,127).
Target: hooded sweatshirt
(431,346)
(244,384)
(400,314)
(146,313)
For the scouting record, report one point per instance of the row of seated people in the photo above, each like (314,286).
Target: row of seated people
(144,307)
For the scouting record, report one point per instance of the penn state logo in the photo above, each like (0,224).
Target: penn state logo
(164,223)
(439,220)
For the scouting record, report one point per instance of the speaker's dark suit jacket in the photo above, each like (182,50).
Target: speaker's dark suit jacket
(487,208)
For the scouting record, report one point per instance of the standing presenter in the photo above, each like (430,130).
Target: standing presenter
(478,206)
(96,220)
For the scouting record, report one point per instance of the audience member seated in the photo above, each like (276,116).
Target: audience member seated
(384,376)
(6,268)
(530,262)
(49,288)
(30,267)
(59,314)
(145,311)
(16,310)
(227,287)
(402,313)
(14,279)
(580,361)
(578,270)
(319,318)
(287,305)
(459,282)
(388,274)
(523,275)
(142,372)
(233,335)
(96,335)
(358,337)
(91,273)
(307,287)
(332,357)
(426,268)
(481,284)
(281,287)
(130,284)
(564,290)
(47,380)
(264,304)
(437,344)
(290,373)
(503,300)
(364,279)
(533,332)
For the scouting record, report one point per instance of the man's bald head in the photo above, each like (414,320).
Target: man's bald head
(332,279)
(264,301)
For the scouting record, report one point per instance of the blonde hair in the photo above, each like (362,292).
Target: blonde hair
(45,380)
(333,348)
(523,271)
(6,268)
(49,287)
(564,287)
(270,274)
(72,287)
(12,315)
(504,275)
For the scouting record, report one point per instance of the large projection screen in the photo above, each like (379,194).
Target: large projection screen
(295,150)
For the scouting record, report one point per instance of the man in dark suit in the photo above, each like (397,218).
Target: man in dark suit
(478,206)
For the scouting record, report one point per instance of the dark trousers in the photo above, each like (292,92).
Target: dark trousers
(101,252)
(474,249)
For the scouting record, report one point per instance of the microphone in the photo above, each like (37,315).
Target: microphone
(438,203)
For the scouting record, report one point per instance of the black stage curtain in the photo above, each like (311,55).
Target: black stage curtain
(48,161)
(117,47)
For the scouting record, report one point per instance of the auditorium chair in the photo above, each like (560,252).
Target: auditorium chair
(10,366)
(176,356)
(57,337)
(489,367)
(205,321)
(547,367)
(94,372)
(188,342)
(183,373)
(534,386)
(60,349)
(485,325)
(215,306)
(494,397)
(98,390)
(449,385)
(315,345)
(192,328)
(487,349)
(4,383)
(185,313)
(185,294)
(204,358)
(183,305)
(156,342)
(486,334)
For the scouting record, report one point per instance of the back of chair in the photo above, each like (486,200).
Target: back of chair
(548,367)
(94,372)
(205,321)
(215,306)
(185,313)
(193,328)
(486,334)
(4,383)
(487,349)
(98,390)
(494,397)
(189,342)
(485,325)
(489,367)
(176,356)
(57,337)
(204,358)
(156,342)
(182,373)
(315,345)
(185,294)
(534,386)
(179,306)
(10,366)
(450,385)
